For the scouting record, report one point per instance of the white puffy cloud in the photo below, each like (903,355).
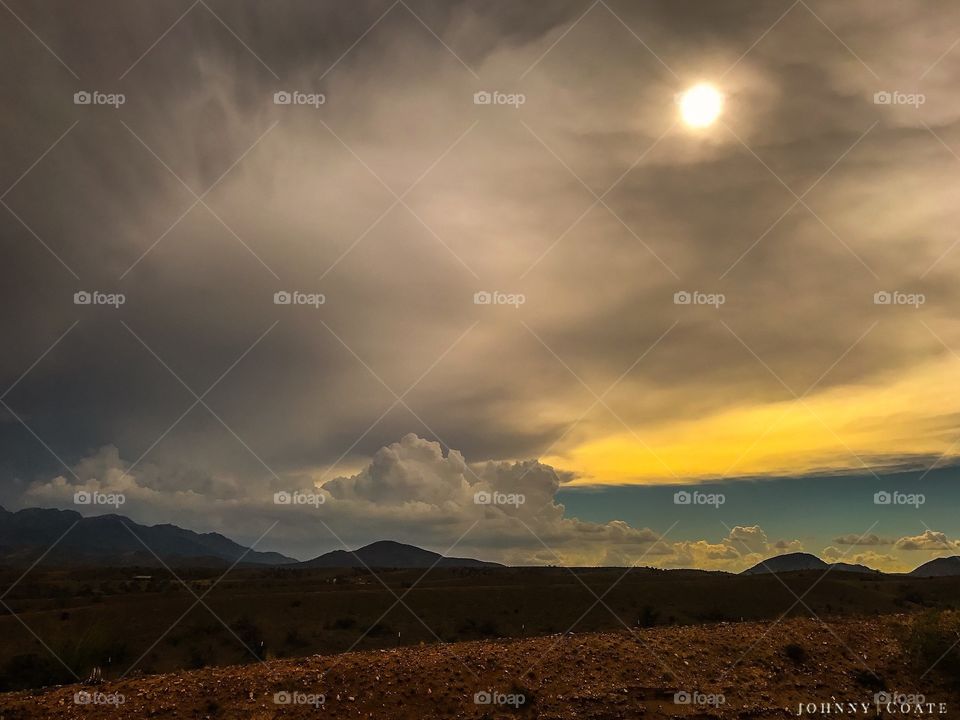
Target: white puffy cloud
(411,491)
(510,506)
(742,547)
(870,558)
(928,540)
(788,546)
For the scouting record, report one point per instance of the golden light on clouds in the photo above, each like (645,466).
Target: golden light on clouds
(832,430)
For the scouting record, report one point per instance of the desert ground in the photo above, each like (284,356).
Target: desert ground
(759,669)
(108,618)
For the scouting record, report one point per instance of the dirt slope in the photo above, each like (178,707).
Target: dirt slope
(603,676)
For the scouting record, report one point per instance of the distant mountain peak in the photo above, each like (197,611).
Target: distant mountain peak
(388,544)
(939,567)
(392,554)
(787,563)
(793,562)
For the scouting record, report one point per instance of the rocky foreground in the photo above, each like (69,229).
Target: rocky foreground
(730,670)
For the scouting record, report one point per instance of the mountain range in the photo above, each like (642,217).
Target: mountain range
(792,562)
(64,537)
(68,538)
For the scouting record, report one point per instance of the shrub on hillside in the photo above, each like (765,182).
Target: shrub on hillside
(933,644)
(796,653)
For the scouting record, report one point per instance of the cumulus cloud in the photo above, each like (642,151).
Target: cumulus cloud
(411,490)
(414,491)
(788,546)
(928,540)
(742,547)
(870,539)
(870,558)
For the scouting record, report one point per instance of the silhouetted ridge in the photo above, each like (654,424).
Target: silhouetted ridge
(113,540)
(793,562)
(390,554)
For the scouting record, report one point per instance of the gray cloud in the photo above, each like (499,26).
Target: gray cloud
(871,539)
(497,202)
(413,491)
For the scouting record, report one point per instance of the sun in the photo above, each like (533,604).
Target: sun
(701,105)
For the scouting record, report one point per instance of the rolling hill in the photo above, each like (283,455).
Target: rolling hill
(390,554)
(939,567)
(792,562)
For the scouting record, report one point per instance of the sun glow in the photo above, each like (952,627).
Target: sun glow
(701,105)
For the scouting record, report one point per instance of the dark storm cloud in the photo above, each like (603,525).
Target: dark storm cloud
(291,202)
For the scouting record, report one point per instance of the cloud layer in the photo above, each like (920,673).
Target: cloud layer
(411,491)
(399,198)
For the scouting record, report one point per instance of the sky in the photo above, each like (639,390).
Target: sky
(434,156)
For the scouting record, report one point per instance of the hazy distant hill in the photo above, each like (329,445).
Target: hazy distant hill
(390,554)
(852,567)
(939,567)
(802,561)
(103,540)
